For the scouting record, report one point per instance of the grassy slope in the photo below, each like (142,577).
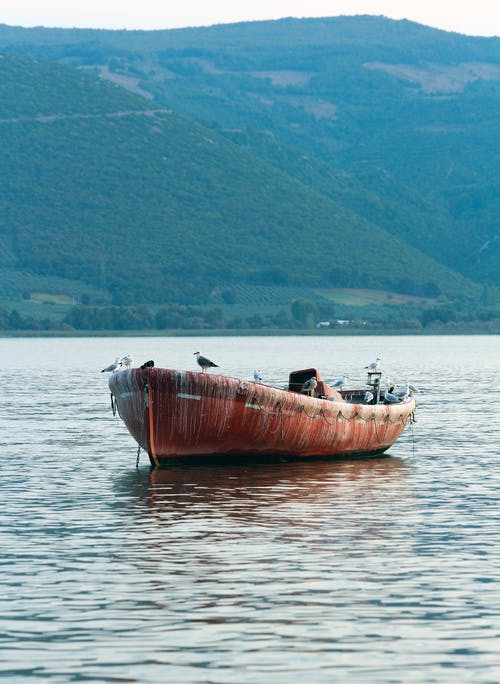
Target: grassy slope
(423,150)
(160,208)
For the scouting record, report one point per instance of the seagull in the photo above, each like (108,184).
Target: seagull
(256,376)
(309,386)
(404,392)
(112,366)
(127,361)
(390,386)
(340,382)
(374,366)
(391,398)
(407,391)
(203,362)
(368,398)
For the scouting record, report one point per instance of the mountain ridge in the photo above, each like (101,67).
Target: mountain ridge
(377,149)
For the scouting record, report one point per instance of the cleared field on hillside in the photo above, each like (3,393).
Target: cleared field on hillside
(356,297)
(47,298)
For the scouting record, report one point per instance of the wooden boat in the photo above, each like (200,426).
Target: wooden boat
(179,415)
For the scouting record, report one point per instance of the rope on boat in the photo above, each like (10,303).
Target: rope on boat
(398,420)
(277,411)
(329,422)
(315,415)
(144,428)
(280,413)
(148,399)
(322,413)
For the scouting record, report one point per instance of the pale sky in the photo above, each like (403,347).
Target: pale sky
(477,17)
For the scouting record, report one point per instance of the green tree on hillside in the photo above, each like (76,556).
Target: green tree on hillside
(304,312)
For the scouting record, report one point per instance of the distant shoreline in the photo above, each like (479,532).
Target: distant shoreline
(336,332)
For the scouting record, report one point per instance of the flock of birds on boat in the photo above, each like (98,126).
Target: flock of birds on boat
(125,362)
(392,394)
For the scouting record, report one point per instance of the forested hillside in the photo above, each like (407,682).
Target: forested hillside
(163,209)
(408,111)
(171,166)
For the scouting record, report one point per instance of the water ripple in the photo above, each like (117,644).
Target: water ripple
(381,570)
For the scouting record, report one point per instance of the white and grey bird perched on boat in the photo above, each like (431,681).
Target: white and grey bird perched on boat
(112,366)
(406,391)
(256,376)
(127,360)
(412,388)
(390,386)
(391,398)
(203,362)
(374,366)
(403,392)
(340,382)
(368,398)
(309,385)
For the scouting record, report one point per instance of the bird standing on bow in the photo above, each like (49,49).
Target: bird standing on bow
(127,360)
(112,366)
(374,366)
(389,385)
(309,386)
(406,391)
(391,398)
(340,382)
(203,362)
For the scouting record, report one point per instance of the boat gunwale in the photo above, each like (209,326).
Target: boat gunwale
(381,410)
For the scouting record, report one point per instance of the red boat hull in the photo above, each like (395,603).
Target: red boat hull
(183,415)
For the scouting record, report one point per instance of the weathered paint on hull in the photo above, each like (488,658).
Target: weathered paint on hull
(181,414)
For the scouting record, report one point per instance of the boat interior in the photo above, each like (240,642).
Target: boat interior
(323,391)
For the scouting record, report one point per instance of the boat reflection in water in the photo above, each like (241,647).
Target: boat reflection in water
(222,545)
(305,491)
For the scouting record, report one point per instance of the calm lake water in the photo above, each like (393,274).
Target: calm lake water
(382,570)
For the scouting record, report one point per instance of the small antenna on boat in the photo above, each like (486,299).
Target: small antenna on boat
(373,381)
